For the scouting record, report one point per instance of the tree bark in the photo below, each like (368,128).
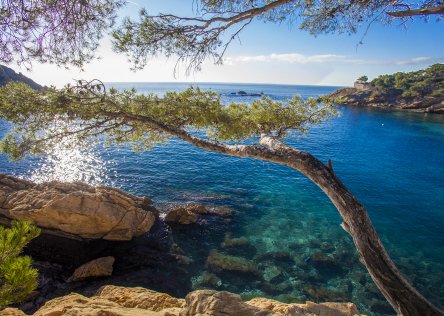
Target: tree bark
(424,11)
(401,295)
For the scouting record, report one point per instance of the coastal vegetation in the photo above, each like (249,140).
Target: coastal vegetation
(48,32)
(420,91)
(17,276)
(408,85)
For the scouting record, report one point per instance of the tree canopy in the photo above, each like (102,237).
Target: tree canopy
(67,32)
(218,22)
(142,120)
(419,83)
(64,32)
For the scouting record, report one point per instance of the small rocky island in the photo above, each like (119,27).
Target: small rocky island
(417,91)
(245,94)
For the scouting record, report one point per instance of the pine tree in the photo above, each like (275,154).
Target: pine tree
(17,277)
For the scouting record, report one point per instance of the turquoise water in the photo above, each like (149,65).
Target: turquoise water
(392,161)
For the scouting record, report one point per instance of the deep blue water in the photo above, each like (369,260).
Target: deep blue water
(392,161)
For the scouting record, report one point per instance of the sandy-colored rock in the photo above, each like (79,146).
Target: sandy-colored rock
(77,208)
(181,215)
(207,302)
(79,305)
(121,301)
(98,267)
(138,297)
(11,312)
(309,308)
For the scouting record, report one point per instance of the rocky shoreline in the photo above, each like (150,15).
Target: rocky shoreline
(139,250)
(124,301)
(367,98)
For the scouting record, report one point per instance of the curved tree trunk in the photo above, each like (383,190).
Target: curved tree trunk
(401,295)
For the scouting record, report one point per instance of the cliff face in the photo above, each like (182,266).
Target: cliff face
(7,75)
(371,98)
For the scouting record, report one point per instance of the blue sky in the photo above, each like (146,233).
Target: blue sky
(270,53)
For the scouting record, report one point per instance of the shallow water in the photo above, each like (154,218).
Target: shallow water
(392,161)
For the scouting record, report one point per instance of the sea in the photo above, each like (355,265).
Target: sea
(392,161)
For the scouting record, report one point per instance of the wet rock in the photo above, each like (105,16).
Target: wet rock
(327,247)
(238,246)
(98,267)
(208,279)
(325,264)
(76,209)
(282,259)
(190,213)
(221,262)
(271,273)
(322,294)
(181,215)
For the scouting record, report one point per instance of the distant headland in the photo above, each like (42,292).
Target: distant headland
(7,74)
(417,91)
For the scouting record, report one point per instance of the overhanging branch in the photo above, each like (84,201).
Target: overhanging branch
(413,12)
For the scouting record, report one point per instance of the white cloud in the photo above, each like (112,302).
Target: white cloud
(296,58)
(293,58)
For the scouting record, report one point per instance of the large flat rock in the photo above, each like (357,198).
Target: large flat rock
(76,208)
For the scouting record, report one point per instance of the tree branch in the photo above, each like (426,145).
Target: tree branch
(413,12)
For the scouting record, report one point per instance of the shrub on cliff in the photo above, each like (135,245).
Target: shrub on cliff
(17,278)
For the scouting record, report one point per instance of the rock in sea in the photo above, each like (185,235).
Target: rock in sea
(76,209)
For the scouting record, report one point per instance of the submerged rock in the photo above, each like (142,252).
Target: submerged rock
(271,273)
(121,301)
(190,213)
(238,246)
(208,279)
(76,209)
(98,267)
(222,262)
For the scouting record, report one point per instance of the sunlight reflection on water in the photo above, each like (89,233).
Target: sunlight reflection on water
(71,160)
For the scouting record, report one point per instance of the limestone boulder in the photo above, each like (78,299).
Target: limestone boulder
(121,301)
(138,297)
(181,215)
(98,267)
(11,312)
(76,209)
(307,309)
(79,305)
(208,302)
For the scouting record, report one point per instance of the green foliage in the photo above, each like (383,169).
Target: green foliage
(17,278)
(45,117)
(62,32)
(363,79)
(411,84)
